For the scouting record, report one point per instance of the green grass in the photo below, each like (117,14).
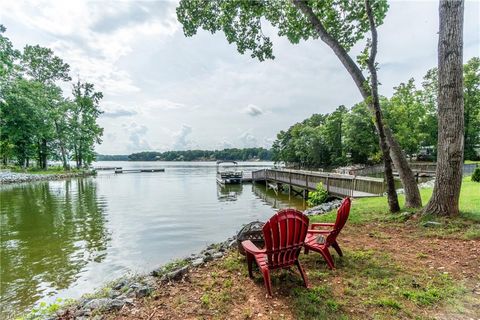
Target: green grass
(36,170)
(373,281)
(375,209)
(472,161)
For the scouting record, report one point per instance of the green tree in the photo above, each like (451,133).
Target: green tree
(408,117)
(360,140)
(85,111)
(338,23)
(42,65)
(332,132)
(21,118)
(471,96)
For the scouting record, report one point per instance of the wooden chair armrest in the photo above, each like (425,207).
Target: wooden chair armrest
(318,231)
(323,224)
(250,247)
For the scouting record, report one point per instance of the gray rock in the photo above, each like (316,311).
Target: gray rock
(119,285)
(197,262)
(208,258)
(217,255)
(115,294)
(323,208)
(431,224)
(176,274)
(105,304)
(144,291)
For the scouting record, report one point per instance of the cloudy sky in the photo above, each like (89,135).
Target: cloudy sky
(163,91)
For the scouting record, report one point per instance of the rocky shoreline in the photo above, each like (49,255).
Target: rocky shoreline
(18,177)
(125,290)
(323,208)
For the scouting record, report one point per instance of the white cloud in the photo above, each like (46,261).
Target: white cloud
(253,110)
(153,76)
(137,137)
(248,140)
(164,104)
(181,138)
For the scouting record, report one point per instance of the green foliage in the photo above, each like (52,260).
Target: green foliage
(471,94)
(243,22)
(37,121)
(317,197)
(476,175)
(205,155)
(45,310)
(349,136)
(327,140)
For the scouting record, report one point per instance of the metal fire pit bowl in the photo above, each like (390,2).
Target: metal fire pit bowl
(253,232)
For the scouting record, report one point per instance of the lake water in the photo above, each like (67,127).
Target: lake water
(66,238)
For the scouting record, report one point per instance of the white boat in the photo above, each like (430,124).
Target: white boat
(228,175)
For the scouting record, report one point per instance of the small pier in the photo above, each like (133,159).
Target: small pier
(138,170)
(336,184)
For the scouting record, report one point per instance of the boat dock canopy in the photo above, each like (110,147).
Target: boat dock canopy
(226,161)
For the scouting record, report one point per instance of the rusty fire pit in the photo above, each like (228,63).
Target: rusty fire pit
(253,232)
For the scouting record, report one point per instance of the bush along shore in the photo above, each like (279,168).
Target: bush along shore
(19,177)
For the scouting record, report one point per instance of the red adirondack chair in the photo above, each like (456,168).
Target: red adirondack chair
(321,240)
(284,237)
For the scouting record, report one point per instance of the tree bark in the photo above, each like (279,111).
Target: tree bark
(44,154)
(446,191)
(412,194)
(387,160)
(363,87)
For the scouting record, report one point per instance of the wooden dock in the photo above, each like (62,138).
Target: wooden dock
(138,170)
(336,184)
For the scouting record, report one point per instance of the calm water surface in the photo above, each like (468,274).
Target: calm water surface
(66,238)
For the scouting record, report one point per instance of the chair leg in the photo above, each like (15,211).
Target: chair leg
(250,264)
(305,250)
(328,258)
(302,273)
(266,281)
(337,248)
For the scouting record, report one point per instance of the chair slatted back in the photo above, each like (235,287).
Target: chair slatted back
(284,235)
(342,216)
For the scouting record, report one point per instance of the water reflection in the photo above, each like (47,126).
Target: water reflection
(229,192)
(278,201)
(49,232)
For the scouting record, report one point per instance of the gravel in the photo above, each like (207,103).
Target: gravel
(16,177)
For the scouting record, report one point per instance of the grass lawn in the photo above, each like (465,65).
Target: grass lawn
(394,267)
(36,170)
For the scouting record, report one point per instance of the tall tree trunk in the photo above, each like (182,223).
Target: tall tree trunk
(44,154)
(360,82)
(446,191)
(62,147)
(412,194)
(375,101)
(39,154)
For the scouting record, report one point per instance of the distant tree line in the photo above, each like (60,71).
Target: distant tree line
(348,136)
(111,157)
(203,155)
(37,122)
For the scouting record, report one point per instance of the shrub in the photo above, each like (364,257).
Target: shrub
(317,197)
(476,175)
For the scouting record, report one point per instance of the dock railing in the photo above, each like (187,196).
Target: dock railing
(335,184)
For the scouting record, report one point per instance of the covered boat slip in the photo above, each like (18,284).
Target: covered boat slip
(229,174)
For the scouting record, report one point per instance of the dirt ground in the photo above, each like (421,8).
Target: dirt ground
(222,289)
